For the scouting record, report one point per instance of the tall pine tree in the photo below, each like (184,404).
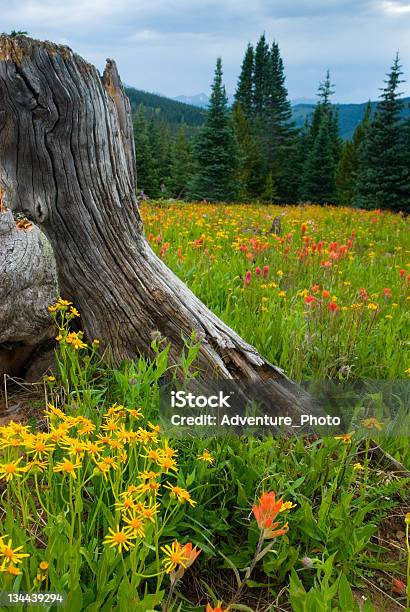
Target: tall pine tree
(319,176)
(261,77)
(280,133)
(244,90)
(181,165)
(384,176)
(349,166)
(142,149)
(216,150)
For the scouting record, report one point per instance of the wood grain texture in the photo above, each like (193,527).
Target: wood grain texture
(67,161)
(28,284)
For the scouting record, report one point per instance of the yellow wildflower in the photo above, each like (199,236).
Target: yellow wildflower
(206,457)
(67,467)
(11,470)
(119,538)
(175,555)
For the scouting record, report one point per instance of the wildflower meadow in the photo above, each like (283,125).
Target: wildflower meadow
(101,510)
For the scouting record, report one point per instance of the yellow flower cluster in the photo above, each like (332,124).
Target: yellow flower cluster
(75,448)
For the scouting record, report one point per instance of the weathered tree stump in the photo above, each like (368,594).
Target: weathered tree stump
(28,284)
(67,162)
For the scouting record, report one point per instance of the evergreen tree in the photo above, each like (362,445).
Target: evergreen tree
(261,77)
(299,160)
(348,167)
(181,165)
(383,180)
(216,150)
(345,174)
(244,90)
(406,139)
(264,129)
(153,177)
(319,181)
(251,167)
(269,193)
(323,143)
(164,159)
(142,148)
(280,133)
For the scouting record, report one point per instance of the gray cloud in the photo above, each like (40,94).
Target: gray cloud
(170,46)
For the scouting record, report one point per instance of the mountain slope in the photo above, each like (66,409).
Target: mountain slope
(165,110)
(350,115)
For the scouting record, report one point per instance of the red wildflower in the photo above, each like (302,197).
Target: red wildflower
(248,277)
(325,293)
(333,307)
(310,300)
(315,288)
(265,271)
(192,553)
(303,228)
(387,292)
(266,512)
(402,273)
(398,586)
(363,293)
(258,271)
(164,249)
(218,608)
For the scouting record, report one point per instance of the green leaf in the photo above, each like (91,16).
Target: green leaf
(345,594)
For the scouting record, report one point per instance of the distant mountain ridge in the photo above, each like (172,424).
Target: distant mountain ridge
(350,115)
(165,110)
(177,112)
(202,100)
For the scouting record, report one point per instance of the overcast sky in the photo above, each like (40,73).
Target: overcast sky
(170,46)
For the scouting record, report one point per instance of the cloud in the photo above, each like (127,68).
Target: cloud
(171,45)
(395,7)
(146,36)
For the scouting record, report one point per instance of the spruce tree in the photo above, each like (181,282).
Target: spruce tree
(319,182)
(142,149)
(216,150)
(261,77)
(345,174)
(349,165)
(406,139)
(323,141)
(280,134)
(153,176)
(244,90)
(164,159)
(181,165)
(251,167)
(383,180)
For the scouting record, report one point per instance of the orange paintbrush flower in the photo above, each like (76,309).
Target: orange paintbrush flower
(266,512)
(218,608)
(192,553)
